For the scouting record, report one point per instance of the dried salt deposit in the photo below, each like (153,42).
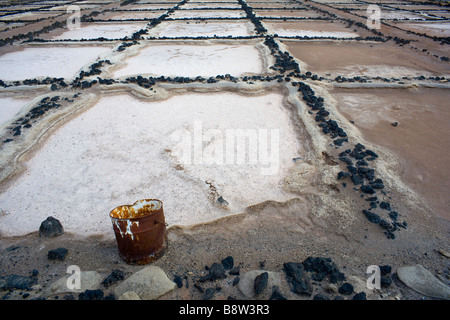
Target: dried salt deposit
(64,62)
(192,61)
(114,162)
(94,31)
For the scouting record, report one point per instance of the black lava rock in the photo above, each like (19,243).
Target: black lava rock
(235,271)
(367,189)
(178,280)
(297,278)
(51,227)
(360,296)
(322,267)
(377,185)
(356,179)
(91,295)
(336,276)
(261,282)
(372,217)
(57,254)
(385,281)
(209,293)
(216,271)
(14,281)
(346,289)
(228,263)
(393,215)
(114,277)
(386,269)
(320,297)
(276,295)
(342,175)
(385,205)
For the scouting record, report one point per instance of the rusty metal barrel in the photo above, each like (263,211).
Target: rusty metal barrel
(140,231)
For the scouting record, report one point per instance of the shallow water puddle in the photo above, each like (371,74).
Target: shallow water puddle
(122,150)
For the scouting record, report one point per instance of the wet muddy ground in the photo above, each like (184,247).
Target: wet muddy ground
(91,115)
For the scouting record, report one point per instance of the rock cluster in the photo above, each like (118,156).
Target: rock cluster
(356,161)
(259,28)
(26,121)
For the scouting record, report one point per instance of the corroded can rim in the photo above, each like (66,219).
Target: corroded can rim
(138,209)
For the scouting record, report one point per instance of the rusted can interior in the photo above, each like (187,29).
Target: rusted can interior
(139,209)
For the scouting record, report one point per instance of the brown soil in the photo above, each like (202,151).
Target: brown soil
(321,60)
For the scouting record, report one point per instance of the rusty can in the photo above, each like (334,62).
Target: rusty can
(140,231)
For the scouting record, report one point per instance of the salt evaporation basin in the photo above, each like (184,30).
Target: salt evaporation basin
(172,29)
(192,61)
(59,62)
(208,14)
(10,107)
(123,149)
(309,29)
(101,30)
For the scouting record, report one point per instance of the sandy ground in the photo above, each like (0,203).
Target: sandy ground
(68,162)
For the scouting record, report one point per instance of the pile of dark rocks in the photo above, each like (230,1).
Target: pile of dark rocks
(303,278)
(362,176)
(128,2)
(329,126)
(45,105)
(125,45)
(24,284)
(259,28)
(283,60)
(357,162)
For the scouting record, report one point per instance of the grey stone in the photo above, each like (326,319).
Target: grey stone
(421,280)
(57,254)
(149,283)
(129,295)
(89,280)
